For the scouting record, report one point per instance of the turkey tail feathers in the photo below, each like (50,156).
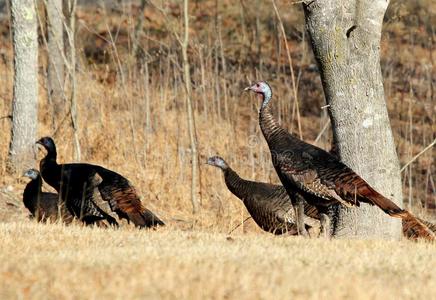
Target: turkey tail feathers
(124,200)
(369,195)
(417,227)
(145,218)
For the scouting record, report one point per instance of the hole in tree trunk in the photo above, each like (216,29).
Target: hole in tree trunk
(350,30)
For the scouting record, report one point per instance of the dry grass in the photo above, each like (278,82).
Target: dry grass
(57,262)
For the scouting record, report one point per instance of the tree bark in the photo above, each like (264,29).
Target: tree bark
(70,49)
(25,101)
(55,68)
(138,31)
(345,37)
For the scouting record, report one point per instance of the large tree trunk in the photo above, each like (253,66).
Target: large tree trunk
(55,68)
(345,38)
(25,101)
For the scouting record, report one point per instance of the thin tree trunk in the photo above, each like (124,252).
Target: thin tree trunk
(71,57)
(191,121)
(55,68)
(138,31)
(345,37)
(25,101)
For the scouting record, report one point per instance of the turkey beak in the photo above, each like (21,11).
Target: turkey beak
(25,174)
(39,145)
(248,88)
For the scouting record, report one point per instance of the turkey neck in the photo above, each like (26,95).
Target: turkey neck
(31,190)
(238,186)
(268,124)
(50,170)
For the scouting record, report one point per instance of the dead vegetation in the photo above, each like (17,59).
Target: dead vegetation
(53,261)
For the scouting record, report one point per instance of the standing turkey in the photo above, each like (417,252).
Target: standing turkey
(311,174)
(43,206)
(268,204)
(77,184)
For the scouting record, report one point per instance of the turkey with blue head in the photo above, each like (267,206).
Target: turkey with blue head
(43,206)
(268,204)
(311,174)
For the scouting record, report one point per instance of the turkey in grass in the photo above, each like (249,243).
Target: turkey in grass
(311,174)
(268,204)
(43,206)
(77,183)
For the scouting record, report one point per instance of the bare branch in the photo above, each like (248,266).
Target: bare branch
(288,53)
(418,155)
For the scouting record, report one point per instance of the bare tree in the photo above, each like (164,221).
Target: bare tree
(25,101)
(70,30)
(191,121)
(345,37)
(55,68)
(138,30)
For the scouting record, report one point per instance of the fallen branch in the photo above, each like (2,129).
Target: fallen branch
(237,226)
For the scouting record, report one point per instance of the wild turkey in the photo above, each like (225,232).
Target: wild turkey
(268,204)
(411,231)
(77,184)
(43,206)
(311,174)
(274,201)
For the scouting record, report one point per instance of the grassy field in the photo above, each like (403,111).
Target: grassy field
(58,262)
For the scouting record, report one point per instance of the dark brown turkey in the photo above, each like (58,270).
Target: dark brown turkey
(92,193)
(311,174)
(268,204)
(41,205)
(412,232)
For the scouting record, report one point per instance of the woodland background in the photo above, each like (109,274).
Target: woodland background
(132,111)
